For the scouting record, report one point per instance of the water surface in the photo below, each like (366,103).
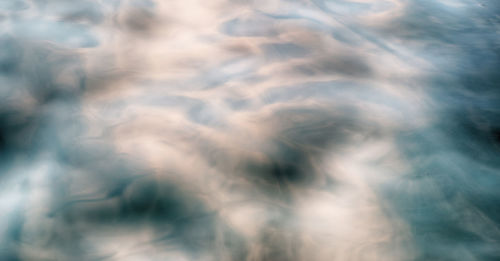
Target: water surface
(249,130)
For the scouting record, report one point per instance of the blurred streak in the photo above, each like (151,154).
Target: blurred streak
(249,130)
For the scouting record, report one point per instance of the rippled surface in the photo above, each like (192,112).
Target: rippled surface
(249,130)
